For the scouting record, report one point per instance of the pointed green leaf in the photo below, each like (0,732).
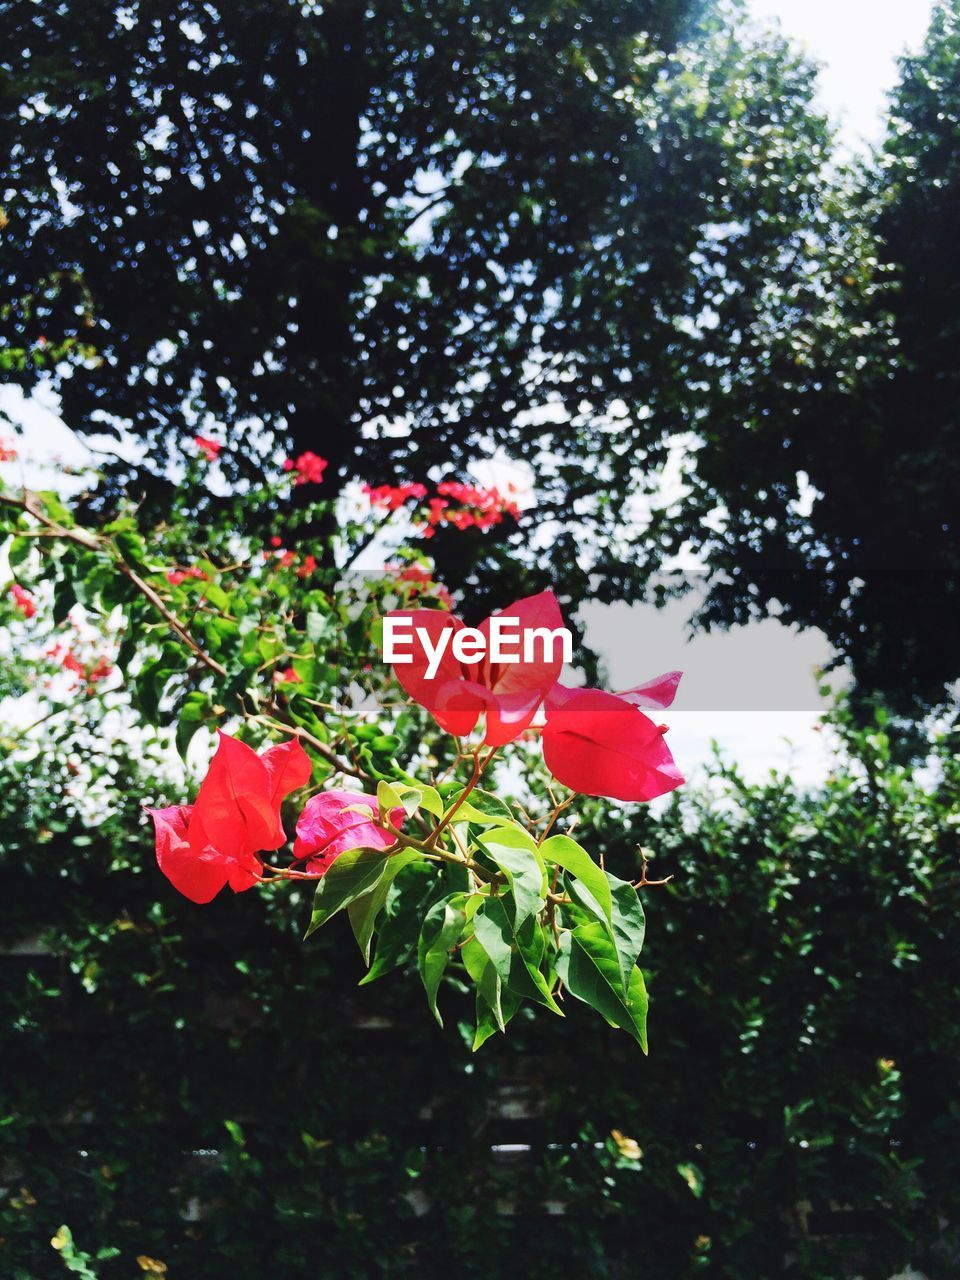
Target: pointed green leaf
(363,912)
(488,1021)
(589,967)
(430,801)
(626,924)
(629,925)
(399,923)
(514,952)
(573,858)
(441,931)
(350,876)
(485,977)
(388,798)
(517,856)
(484,808)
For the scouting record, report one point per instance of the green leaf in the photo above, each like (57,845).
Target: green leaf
(354,873)
(388,798)
(516,854)
(318,626)
(407,900)
(485,977)
(441,931)
(216,596)
(692,1177)
(195,710)
(629,924)
(150,682)
(17,551)
(431,802)
(496,1004)
(133,549)
(418,797)
(53,505)
(363,912)
(626,924)
(572,857)
(514,952)
(484,808)
(589,967)
(64,598)
(488,1023)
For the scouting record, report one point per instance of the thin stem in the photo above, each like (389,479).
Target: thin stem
(643,882)
(558,808)
(478,771)
(321,748)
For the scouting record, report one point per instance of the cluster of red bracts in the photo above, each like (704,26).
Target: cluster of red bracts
(595,742)
(219,839)
(479,508)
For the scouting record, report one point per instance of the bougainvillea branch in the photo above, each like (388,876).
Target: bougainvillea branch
(31,504)
(365,718)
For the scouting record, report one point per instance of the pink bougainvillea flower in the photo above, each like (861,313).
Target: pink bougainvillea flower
(216,841)
(7,452)
(414,573)
(308,567)
(309,467)
(480,508)
(23,601)
(599,744)
(508,692)
(289,676)
(658,692)
(335,821)
(209,448)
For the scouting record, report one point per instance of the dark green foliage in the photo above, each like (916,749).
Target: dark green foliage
(198,1086)
(630,225)
(847,376)
(242,181)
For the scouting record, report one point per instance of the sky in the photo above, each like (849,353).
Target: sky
(753,690)
(857,42)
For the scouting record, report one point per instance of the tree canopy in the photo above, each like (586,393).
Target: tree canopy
(849,378)
(407,236)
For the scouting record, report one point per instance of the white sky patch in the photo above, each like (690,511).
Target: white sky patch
(753,689)
(514,480)
(858,43)
(44,443)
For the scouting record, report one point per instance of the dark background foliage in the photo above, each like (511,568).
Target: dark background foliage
(200,1087)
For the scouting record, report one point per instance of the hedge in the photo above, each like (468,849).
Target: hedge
(196,1089)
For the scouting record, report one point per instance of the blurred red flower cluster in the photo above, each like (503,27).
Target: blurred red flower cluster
(23,601)
(309,468)
(464,506)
